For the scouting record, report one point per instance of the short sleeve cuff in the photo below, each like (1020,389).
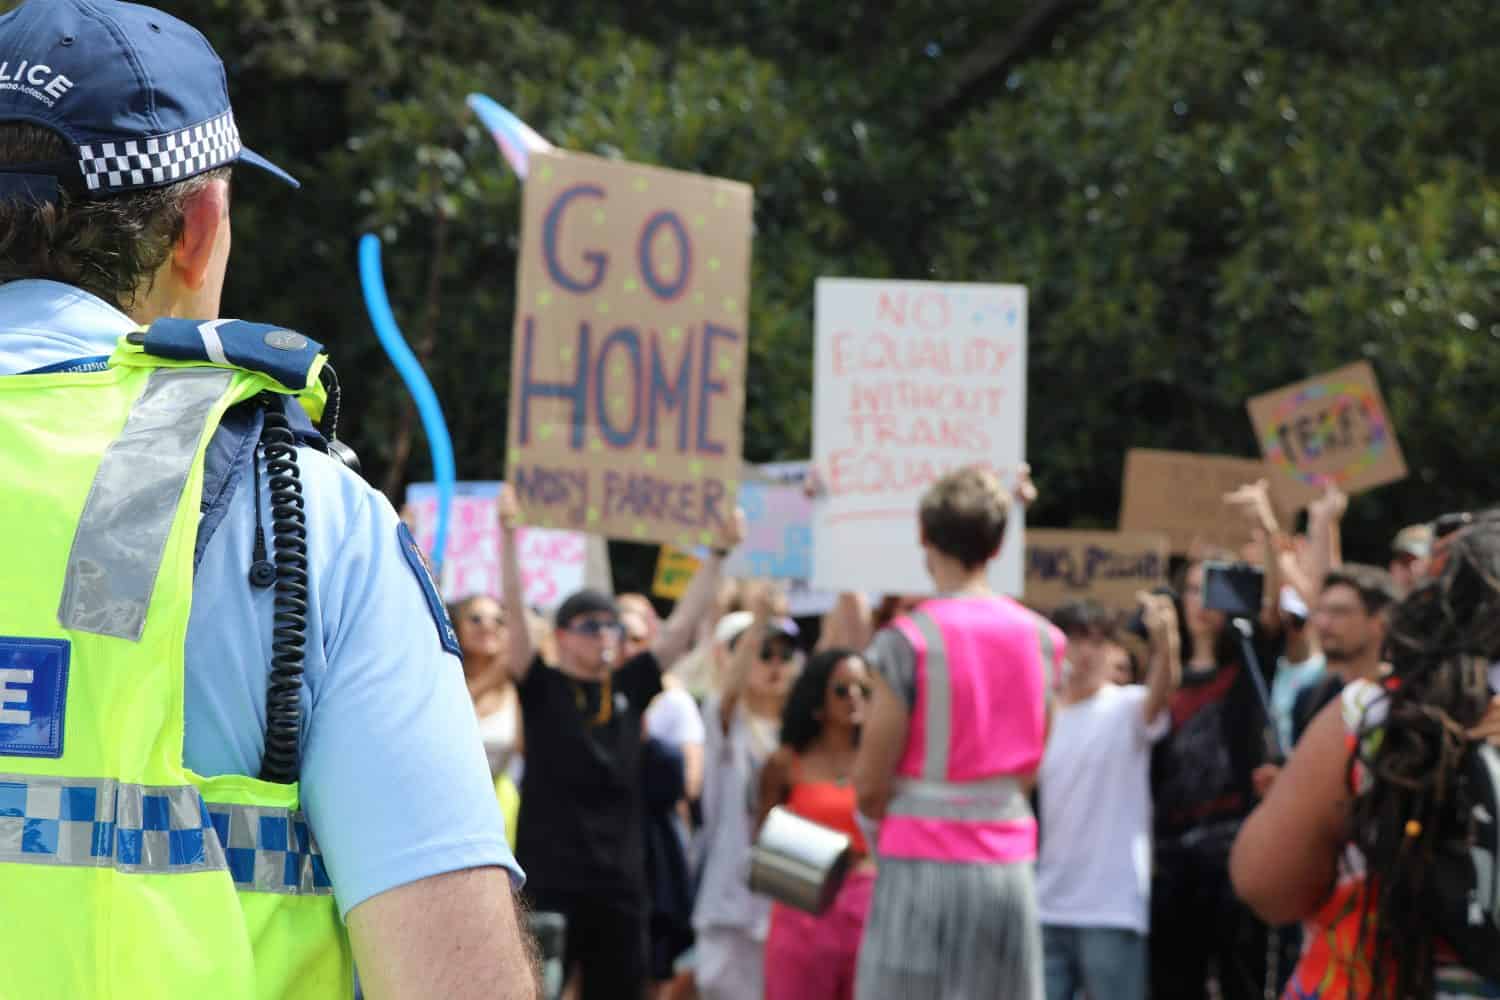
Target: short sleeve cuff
(892,658)
(430,860)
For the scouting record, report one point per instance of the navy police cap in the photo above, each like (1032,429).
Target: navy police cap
(141,96)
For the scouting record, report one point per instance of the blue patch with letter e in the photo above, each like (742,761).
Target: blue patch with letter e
(417,559)
(33,696)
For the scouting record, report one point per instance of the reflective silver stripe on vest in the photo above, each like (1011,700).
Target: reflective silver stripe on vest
(118,546)
(938,718)
(99,823)
(993,799)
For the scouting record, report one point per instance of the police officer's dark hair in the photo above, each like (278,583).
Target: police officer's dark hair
(963,516)
(110,246)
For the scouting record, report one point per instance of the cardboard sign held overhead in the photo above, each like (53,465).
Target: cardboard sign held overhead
(554,564)
(1109,567)
(1329,429)
(779,545)
(674,571)
(913,379)
(1181,495)
(627,384)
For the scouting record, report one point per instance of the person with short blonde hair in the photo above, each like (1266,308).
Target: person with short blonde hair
(950,749)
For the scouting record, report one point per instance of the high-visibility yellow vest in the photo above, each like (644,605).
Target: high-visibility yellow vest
(122,873)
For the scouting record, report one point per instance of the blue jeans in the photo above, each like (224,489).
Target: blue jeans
(1105,963)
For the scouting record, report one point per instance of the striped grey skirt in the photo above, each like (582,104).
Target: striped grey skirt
(939,931)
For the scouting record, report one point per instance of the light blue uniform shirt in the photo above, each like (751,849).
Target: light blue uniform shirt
(394,778)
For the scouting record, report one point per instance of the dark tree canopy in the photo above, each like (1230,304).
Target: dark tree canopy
(1205,199)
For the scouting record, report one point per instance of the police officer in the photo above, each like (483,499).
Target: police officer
(179,817)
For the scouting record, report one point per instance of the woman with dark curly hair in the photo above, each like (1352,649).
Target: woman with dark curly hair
(808,957)
(1349,836)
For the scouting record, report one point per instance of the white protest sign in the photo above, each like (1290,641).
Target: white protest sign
(913,379)
(554,564)
(779,543)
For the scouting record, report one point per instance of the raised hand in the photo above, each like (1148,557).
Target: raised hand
(508,509)
(1024,490)
(1253,501)
(1330,507)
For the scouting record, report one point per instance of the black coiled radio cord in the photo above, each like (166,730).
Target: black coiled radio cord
(281,763)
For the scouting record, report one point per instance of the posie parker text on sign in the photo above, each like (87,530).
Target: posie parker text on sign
(627,386)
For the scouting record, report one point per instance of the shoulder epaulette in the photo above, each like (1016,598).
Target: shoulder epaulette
(284,355)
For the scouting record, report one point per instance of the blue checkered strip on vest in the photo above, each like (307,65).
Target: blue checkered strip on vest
(139,163)
(101,823)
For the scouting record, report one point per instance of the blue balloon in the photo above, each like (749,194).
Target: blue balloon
(372,280)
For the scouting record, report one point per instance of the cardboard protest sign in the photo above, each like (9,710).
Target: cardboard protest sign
(1329,429)
(779,544)
(674,571)
(554,564)
(1181,495)
(912,380)
(1106,566)
(627,383)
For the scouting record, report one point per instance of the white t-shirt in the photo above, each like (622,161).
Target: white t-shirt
(673,717)
(1095,789)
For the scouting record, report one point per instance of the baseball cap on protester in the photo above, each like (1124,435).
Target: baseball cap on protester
(732,625)
(585,602)
(1414,540)
(140,96)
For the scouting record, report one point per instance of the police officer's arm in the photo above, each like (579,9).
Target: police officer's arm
(394,779)
(454,935)
(679,630)
(517,634)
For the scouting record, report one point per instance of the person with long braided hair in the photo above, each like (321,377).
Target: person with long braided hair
(1350,836)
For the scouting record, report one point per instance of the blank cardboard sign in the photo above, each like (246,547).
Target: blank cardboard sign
(1180,494)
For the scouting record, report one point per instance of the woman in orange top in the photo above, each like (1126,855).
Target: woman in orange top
(808,957)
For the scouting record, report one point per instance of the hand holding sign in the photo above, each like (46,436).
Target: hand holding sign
(1253,502)
(1159,615)
(1330,507)
(1025,490)
(508,510)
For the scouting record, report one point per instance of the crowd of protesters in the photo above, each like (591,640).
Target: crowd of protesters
(1058,802)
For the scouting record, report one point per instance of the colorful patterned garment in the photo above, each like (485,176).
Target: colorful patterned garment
(1330,967)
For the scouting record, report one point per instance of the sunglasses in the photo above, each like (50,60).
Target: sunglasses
(594,628)
(847,690)
(775,651)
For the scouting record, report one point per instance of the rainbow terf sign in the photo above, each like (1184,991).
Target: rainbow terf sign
(1332,429)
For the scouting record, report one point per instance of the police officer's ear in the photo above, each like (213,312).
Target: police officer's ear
(203,248)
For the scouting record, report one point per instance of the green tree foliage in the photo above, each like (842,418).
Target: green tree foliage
(1206,199)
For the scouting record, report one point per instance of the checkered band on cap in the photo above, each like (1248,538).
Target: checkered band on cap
(165,159)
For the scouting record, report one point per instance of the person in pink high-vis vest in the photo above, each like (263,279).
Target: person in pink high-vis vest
(951,747)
